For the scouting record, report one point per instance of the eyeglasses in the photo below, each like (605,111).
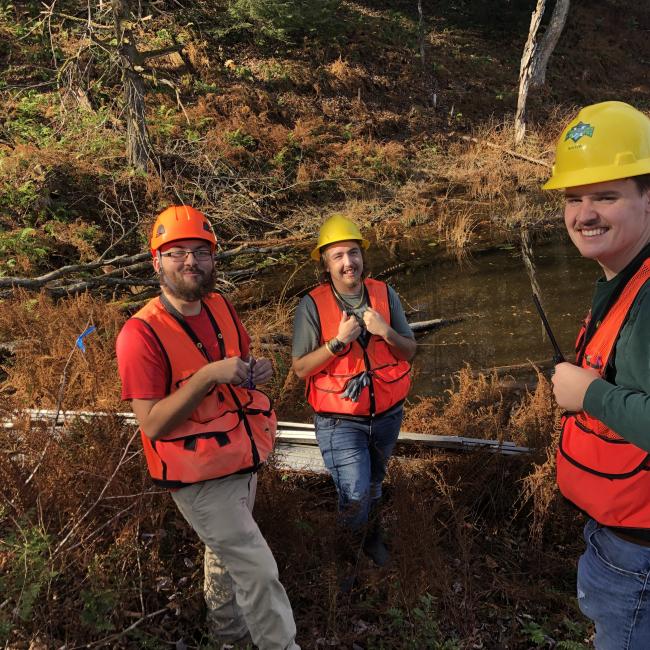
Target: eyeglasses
(201,254)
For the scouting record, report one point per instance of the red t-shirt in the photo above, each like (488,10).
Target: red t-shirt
(142,364)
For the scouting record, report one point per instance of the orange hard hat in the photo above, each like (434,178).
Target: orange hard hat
(181,222)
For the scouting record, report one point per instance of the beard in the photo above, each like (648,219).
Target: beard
(183,289)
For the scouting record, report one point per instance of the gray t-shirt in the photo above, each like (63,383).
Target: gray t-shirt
(306,324)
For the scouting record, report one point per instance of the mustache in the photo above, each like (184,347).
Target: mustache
(192,269)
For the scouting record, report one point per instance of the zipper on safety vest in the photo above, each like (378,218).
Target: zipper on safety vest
(371,385)
(242,413)
(202,349)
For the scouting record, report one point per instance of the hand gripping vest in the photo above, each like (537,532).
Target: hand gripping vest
(389,376)
(232,430)
(597,470)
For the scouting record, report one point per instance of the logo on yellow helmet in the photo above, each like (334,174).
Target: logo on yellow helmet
(578,131)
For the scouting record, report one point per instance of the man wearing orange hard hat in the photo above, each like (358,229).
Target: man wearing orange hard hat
(602,164)
(185,365)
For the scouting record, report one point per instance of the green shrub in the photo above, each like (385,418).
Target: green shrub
(97,609)
(289,20)
(239,138)
(22,248)
(29,124)
(28,569)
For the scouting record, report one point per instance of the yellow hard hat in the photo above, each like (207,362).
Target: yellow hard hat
(605,142)
(337,228)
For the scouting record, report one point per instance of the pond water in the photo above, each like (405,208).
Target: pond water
(491,292)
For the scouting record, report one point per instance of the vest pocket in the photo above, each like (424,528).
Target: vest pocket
(226,421)
(613,459)
(206,455)
(189,443)
(328,383)
(390,373)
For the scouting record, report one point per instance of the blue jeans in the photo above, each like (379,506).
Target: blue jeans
(614,589)
(356,454)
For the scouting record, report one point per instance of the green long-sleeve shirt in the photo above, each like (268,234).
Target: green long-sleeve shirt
(623,402)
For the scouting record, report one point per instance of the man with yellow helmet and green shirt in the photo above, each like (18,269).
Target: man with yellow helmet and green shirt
(352,345)
(603,166)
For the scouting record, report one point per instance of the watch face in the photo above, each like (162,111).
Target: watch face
(337,345)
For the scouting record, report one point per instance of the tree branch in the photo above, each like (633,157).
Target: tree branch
(126,264)
(510,152)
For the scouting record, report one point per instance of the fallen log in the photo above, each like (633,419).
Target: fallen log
(433,324)
(120,265)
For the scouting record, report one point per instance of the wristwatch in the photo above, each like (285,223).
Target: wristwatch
(335,346)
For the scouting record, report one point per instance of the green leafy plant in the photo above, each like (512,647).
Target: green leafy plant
(419,627)
(275,72)
(24,243)
(97,609)
(28,123)
(534,632)
(240,138)
(6,12)
(576,630)
(289,157)
(20,195)
(5,629)
(243,72)
(289,20)
(29,569)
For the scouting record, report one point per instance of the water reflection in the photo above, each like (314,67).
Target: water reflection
(492,293)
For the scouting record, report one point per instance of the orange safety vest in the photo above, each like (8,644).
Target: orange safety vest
(597,469)
(389,376)
(232,430)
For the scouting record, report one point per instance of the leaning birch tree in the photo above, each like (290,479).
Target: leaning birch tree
(534,61)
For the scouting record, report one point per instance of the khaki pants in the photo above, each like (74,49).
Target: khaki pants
(242,588)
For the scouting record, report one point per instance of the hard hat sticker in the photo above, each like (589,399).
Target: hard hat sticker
(580,129)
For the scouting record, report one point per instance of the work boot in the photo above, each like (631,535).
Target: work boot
(347,582)
(348,549)
(374,546)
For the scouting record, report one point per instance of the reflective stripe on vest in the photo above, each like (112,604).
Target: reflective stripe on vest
(232,429)
(389,377)
(597,469)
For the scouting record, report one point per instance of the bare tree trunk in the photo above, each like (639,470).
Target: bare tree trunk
(525,71)
(429,78)
(137,137)
(549,41)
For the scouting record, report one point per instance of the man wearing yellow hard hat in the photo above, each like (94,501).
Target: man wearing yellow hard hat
(352,345)
(602,164)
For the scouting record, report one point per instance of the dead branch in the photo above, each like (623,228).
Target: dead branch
(106,524)
(121,633)
(124,264)
(78,522)
(434,324)
(32,283)
(510,152)
(87,21)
